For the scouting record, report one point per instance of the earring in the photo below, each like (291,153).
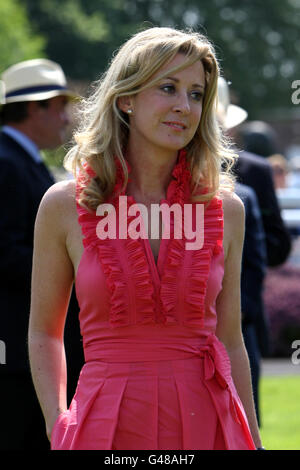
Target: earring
(129,111)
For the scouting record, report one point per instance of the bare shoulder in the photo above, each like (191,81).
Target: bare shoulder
(58,205)
(60,196)
(233,207)
(234,220)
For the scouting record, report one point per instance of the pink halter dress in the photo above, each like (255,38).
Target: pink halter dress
(155,375)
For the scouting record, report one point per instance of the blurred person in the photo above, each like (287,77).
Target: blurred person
(294,174)
(258,137)
(255,172)
(280,170)
(166,366)
(254,263)
(33,117)
(286,175)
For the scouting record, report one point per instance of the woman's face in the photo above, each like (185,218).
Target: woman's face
(166,116)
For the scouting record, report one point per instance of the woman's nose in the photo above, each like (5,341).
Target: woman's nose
(182,104)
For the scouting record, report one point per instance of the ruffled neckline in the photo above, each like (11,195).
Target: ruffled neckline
(129,277)
(178,188)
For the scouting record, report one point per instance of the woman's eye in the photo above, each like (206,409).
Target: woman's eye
(168,88)
(196,95)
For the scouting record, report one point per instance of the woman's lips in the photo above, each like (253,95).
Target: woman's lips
(179,126)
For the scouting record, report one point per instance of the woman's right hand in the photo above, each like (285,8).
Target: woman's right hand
(51,422)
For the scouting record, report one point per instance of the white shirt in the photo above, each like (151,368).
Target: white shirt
(22,139)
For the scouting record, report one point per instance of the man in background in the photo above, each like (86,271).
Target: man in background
(33,116)
(255,171)
(267,241)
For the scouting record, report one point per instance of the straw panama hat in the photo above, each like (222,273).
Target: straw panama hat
(230,114)
(33,80)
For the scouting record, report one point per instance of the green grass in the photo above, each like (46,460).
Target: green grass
(280,412)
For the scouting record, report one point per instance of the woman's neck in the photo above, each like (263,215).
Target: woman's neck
(150,175)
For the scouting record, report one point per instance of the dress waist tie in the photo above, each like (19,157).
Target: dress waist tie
(216,374)
(217,365)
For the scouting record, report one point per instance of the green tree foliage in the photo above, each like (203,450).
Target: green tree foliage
(18,41)
(77,39)
(257,42)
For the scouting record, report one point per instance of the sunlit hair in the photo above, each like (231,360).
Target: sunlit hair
(103,133)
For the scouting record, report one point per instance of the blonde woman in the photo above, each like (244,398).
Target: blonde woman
(152,235)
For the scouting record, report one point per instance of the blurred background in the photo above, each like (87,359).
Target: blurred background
(257,44)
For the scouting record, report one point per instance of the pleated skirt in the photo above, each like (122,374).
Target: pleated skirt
(159,405)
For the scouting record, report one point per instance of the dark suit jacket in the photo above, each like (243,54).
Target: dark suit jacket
(254,264)
(254,259)
(253,170)
(23,183)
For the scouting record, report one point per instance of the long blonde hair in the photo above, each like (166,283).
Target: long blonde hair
(104,129)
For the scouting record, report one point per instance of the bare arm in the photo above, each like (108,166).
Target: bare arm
(229,310)
(52,280)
